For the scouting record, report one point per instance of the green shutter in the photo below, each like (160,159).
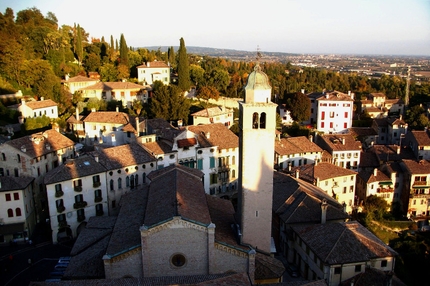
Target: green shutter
(200,164)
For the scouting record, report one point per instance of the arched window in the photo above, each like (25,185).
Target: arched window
(255,120)
(233,173)
(263,120)
(111,184)
(18,212)
(136,179)
(127,181)
(132,181)
(144,177)
(10,213)
(119,183)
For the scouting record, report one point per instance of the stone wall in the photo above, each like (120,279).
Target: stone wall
(128,264)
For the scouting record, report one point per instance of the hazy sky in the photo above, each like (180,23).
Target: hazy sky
(389,27)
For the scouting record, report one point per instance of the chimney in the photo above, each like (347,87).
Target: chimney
(324,206)
(77,114)
(117,109)
(303,91)
(42,98)
(93,109)
(297,173)
(96,158)
(316,161)
(23,101)
(398,149)
(343,141)
(349,92)
(375,172)
(208,135)
(289,166)
(311,138)
(137,126)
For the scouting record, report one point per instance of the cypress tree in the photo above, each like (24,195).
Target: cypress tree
(79,49)
(184,82)
(123,51)
(171,55)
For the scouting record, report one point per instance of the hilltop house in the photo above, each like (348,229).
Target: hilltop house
(419,142)
(17,210)
(78,82)
(33,109)
(150,72)
(378,106)
(390,130)
(126,92)
(218,114)
(376,183)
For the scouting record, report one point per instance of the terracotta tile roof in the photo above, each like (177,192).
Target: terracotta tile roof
(394,101)
(343,242)
(41,143)
(296,201)
(219,135)
(124,155)
(89,248)
(126,235)
(372,276)
(369,177)
(188,142)
(387,153)
(80,78)
(267,267)
(223,216)
(158,147)
(154,64)
(108,117)
(108,86)
(74,168)
(128,128)
(417,167)
(362,131)
(335,96)
(333,142)
(180,191)
(395,121)
(72,119)
(380,122)
(9,183)
(295,145)
(422,137)
(369,160)
(322,171)
(212,111)
(40,104)
(377,94)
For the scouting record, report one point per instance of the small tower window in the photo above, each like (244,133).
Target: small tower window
(263,120)
(255,120)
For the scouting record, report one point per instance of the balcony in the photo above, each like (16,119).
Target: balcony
(99,212)
(96,184)
(384,190)
(81,218)
(78,188)
(98,199)
(59,193)
(60,209)
(62,223)
(80,205)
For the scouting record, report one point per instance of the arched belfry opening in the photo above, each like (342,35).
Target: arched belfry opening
(263,120)
(255,120)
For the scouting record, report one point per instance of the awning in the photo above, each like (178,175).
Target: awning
(420,187)
(12,228)
(385,183)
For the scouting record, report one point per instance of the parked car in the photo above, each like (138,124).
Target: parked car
(292,270)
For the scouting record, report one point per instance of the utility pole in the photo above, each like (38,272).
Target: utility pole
(408,79)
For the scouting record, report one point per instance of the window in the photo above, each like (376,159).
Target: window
(77,185)
(233,174)
(255,120)
(212,162)
(200,164)
(99,209)
(344,190)
(96,181)
(113,204)
(345,125)
(357,268)
(10,213)
(331,114)
(322,124)
(98,196)
(178,260)
(111,185)
(16,172)
(8,197)
(15,196)
(323,115)
(383,263)
(19,158)
(346,114)
(119,183)
(18,212)
(337,270)
(127,182)
(1,172)
(263,120)
(213,178)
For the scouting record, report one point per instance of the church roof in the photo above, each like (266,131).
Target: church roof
(257,79)
(180,190)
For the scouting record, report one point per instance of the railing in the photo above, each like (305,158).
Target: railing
(384,190)
(78,188)
(81,218)
(59,193)
(80,205)
(96,184)
(61,209)
(62,223)
(98,199)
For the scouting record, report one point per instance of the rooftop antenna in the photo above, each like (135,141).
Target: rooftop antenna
(257,58)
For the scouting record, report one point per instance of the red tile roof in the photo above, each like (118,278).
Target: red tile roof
(40,104)
(216,134)
(188,142)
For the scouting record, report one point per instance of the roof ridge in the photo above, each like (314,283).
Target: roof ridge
(337,241)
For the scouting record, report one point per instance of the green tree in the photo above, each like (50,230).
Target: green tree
(206,93)
(79,46)
(168,103)
(375,207)
(197,75)
(123,51)
(299,106)
(416,118)
(108,72)
(183,67)
(172,57)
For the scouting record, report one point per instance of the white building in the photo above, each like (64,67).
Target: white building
(17,210)
(34,109)
(150,72)
(296,151)
(77,83)
(76,191)
(376,183)
(218,114)
(344,149)
(334,112)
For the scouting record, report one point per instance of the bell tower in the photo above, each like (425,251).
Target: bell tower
(257,125)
